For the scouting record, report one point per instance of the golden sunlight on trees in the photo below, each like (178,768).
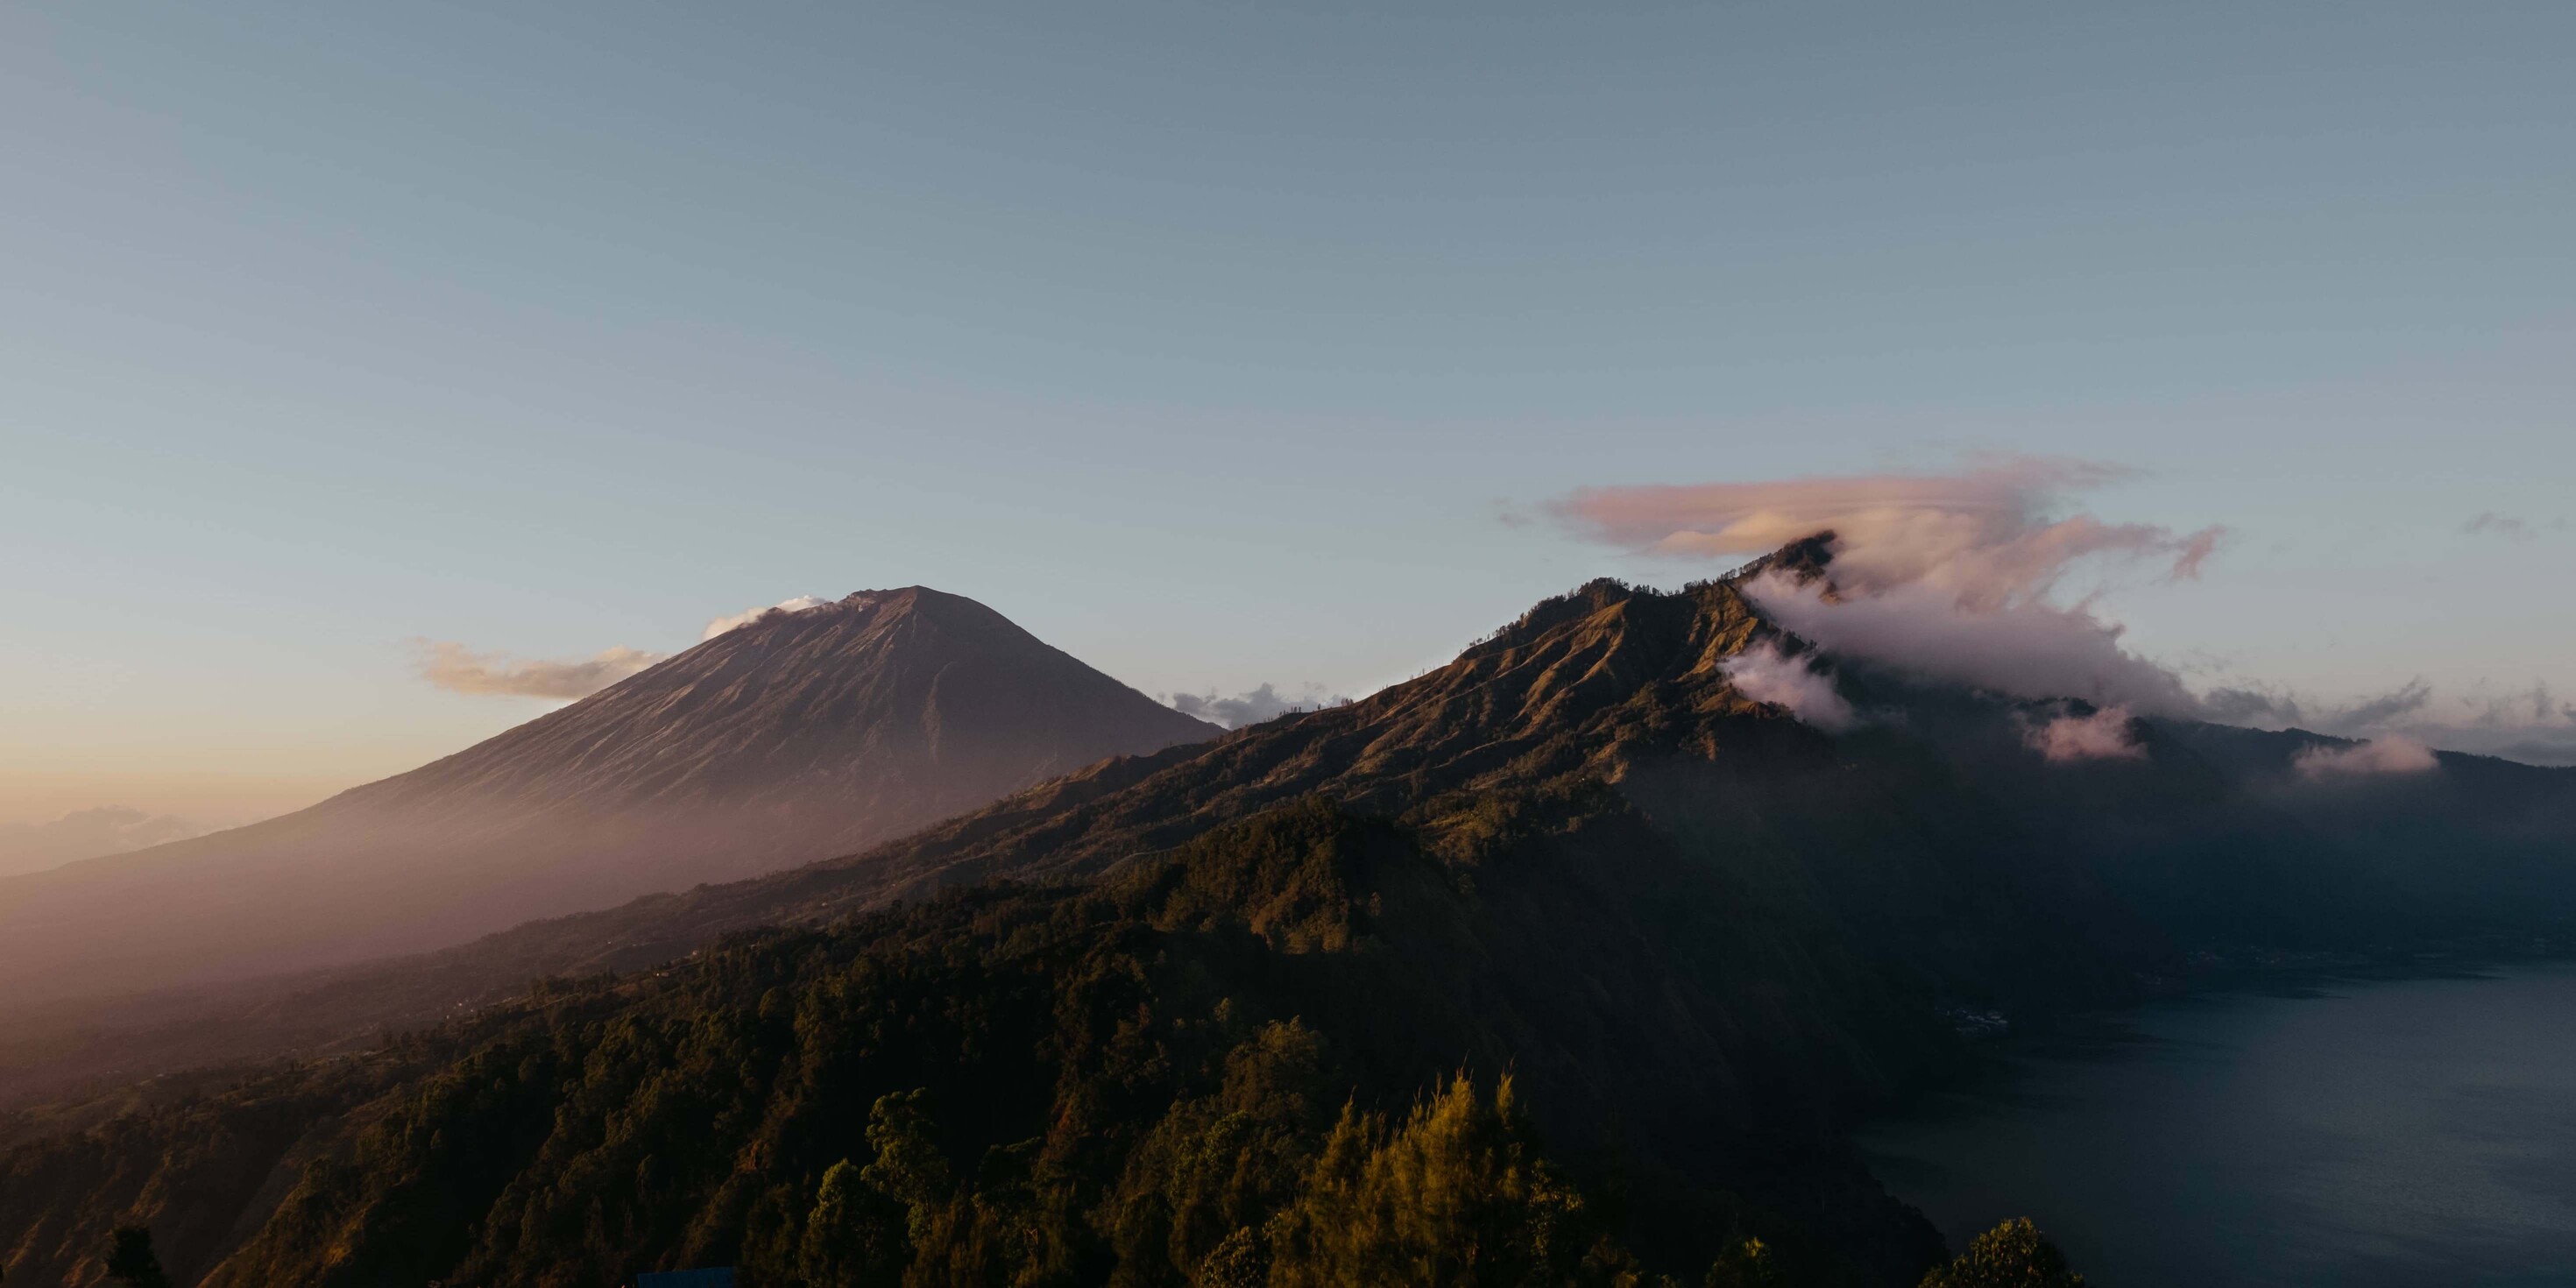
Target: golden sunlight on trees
(1457,1195)
(2012,1255)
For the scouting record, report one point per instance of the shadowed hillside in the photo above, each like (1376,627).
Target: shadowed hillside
(1120,1078)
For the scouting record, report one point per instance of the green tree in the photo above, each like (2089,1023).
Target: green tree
(855,1234)
(130,1259)
(1215,1168)
(908,1167)
(2012,1255)
(1458,1197)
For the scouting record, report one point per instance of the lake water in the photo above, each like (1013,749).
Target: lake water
(2365,1135)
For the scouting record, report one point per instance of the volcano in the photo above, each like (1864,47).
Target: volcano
(798,736)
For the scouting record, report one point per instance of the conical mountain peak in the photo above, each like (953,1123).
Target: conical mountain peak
(797,736)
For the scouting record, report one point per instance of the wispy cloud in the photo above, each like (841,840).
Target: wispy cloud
(2031,649)
(1767,675)
(2502,525)
(87,834)
(2532,724)
(801,603)
(1946,573)
(1251,706)
(2105,734)
(458,669)
(2260,704)
(1991,534)
(2391,754)
(2523,707)
(2539,745)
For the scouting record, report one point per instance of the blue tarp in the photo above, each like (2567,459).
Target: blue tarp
(720,1277)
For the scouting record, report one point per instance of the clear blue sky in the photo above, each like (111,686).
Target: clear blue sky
(1213,341)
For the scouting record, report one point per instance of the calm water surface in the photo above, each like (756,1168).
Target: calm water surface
(2396,1134)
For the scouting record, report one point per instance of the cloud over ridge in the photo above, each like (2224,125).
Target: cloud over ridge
(1768,675)
(720,625)
(1251,706)
(2103,735)
(1989,535)
(2391,754)
(1989,574)
(1948,574)
(2032,649)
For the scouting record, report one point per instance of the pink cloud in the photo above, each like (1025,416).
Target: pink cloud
(2390,754)
(1948,574)
(1989,535)
(2103,735)
(1767,675)
(458,669)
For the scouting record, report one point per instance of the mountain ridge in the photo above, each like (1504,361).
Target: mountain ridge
(1702,937)
(1607,678)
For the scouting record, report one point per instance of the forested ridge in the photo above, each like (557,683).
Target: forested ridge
(1565,963)
(1234,1065)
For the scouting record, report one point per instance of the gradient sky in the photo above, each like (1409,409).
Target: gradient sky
(1219,343)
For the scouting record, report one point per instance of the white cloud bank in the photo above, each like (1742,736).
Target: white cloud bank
(2104,735)
(2030,648)
(1767,675)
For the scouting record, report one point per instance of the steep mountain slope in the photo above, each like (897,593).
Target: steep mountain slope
(798,736)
